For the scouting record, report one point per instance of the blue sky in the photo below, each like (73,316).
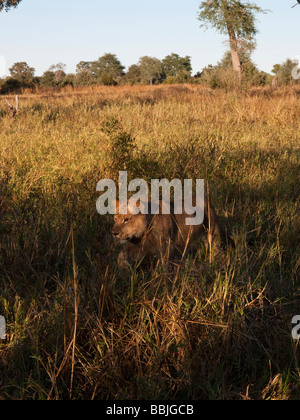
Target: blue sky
(45,32)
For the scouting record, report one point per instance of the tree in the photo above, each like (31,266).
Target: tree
(251,75)
(22,72)
(69,80)
(222,76)
(236,20)
(59,66)
(59,76)
(106,79)
(84,66)
(284,72)
(151,69)
(10,85)
(7,4)
(84,78)
(55,75)
(173,65)
(48,79)
(108,65)
(133,75)
(84,74)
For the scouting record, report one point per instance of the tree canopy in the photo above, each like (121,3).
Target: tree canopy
(287,73)
(151,69)
(230,16)
(22,71)
(173,64)
(7,4)
(234,18)
(106,70)
(108,64)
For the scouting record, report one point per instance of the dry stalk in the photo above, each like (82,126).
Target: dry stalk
(13,111)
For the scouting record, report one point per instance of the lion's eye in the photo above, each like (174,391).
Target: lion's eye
(126,220)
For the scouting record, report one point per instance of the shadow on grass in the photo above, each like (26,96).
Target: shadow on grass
(206,331)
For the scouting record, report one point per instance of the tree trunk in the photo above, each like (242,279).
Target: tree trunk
(236,61)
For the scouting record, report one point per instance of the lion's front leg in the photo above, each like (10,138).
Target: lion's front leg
(123,260)
(129,256)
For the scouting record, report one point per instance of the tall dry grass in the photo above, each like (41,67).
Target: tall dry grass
(217,329)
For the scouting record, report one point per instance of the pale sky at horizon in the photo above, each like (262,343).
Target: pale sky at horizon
(43,32)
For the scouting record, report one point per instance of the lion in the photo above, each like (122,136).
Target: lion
(161,235)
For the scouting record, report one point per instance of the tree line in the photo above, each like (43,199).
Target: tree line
(234,18)
(109,71)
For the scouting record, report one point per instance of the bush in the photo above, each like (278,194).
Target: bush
(69,80)
(84,78)
(171,80)
(119,149)
(284,72)
(48,79)
(106,79)
(10,85)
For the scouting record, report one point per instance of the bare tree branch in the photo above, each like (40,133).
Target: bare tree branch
(13,111)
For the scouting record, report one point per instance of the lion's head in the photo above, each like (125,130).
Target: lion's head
(128,226)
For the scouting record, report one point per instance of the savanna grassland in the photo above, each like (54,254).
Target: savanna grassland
(213,327)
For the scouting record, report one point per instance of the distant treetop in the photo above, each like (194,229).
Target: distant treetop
(7,4)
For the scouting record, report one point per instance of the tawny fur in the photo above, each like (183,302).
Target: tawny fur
(162,236)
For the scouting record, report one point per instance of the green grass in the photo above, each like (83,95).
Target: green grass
(76,328)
